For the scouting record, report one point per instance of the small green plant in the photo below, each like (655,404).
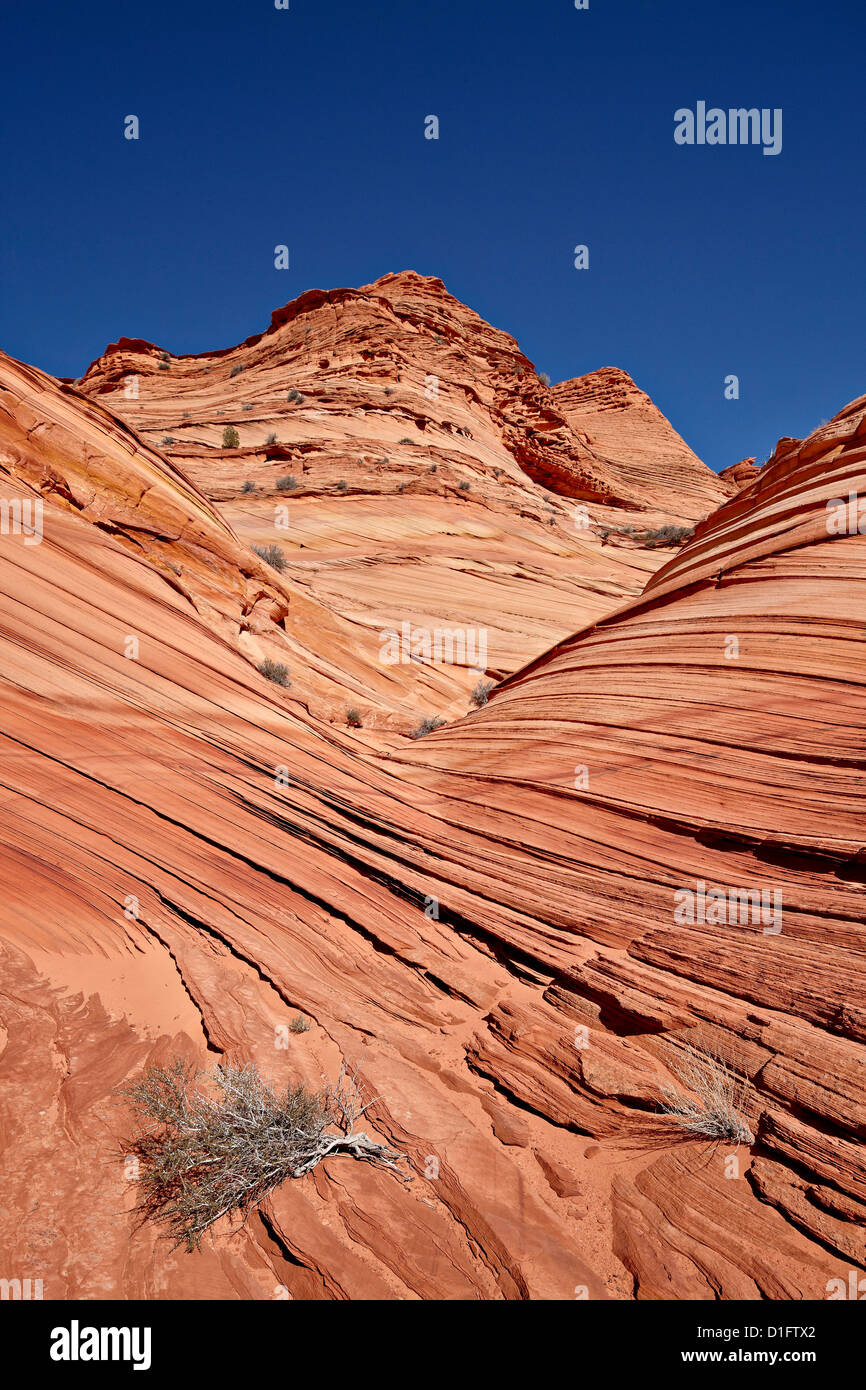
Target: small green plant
(275,671)
(235,370)
(433,468)
(406,440)
(272,555)
(299,1024)
(271,439)
(426,726)
(217,1143)
(481,694)
(544,378)
(167,439)
(342,484)
(439,340)
(249,486)
(389,390)
(294,396)
(287,483)
(164,357)
(353,718)
(464,486)
(231,438)
(163,366)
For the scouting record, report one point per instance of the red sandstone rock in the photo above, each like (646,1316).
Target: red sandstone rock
(739,474)
(637,445)
(545,1002)
(435,480)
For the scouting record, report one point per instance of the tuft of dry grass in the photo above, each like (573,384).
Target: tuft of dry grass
(275,671)
(481,693)
(427,726)
(206,1150)
(714,1099)
(272,555)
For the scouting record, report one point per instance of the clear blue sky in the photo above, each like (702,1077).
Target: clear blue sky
(306,127)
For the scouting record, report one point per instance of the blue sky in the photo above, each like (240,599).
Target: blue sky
(306,127)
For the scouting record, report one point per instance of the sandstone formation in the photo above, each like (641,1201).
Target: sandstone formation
(641,449)
(483,920)
(739,474)
(429,476)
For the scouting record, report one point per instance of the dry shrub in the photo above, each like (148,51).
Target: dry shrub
(275,671)
(208,1150)
(481,693)
(272,555)
(714,1098)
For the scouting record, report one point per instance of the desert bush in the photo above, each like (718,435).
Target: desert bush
(389,390)
(406,440)
(249,486)
(186,415)
(481,694)
(342,484)
(299,1024)
(167,439)
(272,555)
(210,1145)
(275,671)
(234,371)
(666,535)
(271,439)
(248,406)
(353,718)
(433,468)
(163,357)
(544,377)
(714,1097)
(287,483)
(464,486)
(231,438)
(294,396)
(164,367)
(426,726)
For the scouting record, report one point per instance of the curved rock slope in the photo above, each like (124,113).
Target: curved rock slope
(483,923)
(641,449)
(412,467)
(705,740)
(187,866)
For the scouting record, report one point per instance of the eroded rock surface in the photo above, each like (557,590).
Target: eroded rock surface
(482,920)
